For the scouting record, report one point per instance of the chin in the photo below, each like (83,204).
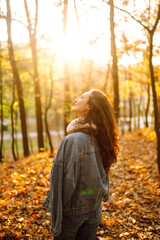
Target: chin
(76,111)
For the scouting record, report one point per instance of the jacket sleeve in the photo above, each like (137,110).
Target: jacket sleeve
(53,202)
(56,198)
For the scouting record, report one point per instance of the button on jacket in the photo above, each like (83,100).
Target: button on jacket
(78,180)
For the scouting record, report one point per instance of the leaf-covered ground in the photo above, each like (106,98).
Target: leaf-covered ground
(133,211)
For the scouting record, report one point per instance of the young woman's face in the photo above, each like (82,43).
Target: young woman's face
(81,106)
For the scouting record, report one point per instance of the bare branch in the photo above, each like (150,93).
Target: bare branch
(157,20)
(13,19)
(122,10)
(91,42)
(16,20)
(75,7)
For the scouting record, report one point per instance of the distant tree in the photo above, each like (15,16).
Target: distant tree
(12,122)
(151,30)
(47,107)
(128,77)
(1,106)
(114,59)
(17,82)
(130,109)
(147,107)
(32,30)
(81,52)
(106,77)
(66,73)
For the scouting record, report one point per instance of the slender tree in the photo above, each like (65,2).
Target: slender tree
(130,109)
(32,30)
(12,122)
(114,59)
(66,72)
(1,106)
(81,52)
(154,93)
(106,77)
(147,107)
(47,107)
(17,82)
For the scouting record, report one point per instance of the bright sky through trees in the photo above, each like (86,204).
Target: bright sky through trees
(94,36)
(64,66)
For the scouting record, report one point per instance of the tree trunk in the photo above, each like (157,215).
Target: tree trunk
(148,103)
(106,78)
(16,139)
(18,83)
(66,73)
(33,43)
(114,60)
(139,113)
(12,122)
(81,52)
(1,104)
(154,93)
(47,107)
(130,110)
(37,99)
(135,113)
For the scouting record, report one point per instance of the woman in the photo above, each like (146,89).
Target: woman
(79,176)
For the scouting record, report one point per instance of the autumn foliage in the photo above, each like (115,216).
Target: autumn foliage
(133,211)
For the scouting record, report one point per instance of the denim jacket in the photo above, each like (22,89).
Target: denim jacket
(78,181)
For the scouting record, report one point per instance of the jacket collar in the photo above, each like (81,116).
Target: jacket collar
(77,124)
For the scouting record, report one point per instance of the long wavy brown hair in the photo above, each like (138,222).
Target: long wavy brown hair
(101,114)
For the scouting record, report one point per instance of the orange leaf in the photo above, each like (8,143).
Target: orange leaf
(45,232)
(34,216)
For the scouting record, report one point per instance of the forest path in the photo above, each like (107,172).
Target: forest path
(133,211)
